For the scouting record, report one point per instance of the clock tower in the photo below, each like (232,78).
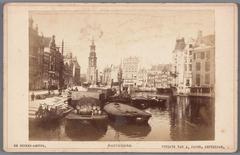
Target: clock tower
(92,65)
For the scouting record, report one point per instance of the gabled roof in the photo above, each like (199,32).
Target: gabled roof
(209,40)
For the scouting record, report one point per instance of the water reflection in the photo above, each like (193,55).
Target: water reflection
(132,130)
(192,118)
(39,131)
(181,118)
(85,130)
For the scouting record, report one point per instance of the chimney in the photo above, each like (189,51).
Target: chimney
(199,38)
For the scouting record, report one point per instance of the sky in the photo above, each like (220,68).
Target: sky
(150,35)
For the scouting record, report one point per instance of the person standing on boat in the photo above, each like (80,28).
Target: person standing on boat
(69,101)
(59,91)
(102,99)
(39,113)
(32,96)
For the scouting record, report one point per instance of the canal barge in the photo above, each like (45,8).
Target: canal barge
(120,98)
(143,102)
(87,109)
(90,117)
(125,113)
(73,116)
(48,115)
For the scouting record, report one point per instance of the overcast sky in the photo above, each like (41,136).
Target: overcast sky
(148,35)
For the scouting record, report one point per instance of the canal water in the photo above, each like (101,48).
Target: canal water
(178,119)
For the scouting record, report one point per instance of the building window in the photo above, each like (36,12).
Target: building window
(185,67)
(198,80)
(198,66)
(208,54)
(207,66)
(190,67)
(187,82)
(199,55)
(207,79)
(190,52)
(202,55)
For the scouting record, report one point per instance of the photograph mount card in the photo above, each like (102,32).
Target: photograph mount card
(120,77)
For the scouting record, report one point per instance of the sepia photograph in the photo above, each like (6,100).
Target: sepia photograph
(120,77)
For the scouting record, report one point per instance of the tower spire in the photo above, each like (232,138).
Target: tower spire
(92,46)
(92,65)
(93,41)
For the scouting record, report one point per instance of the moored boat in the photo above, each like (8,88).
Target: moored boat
(119,99)
(74,116)
(143,102)
(122,98)
(140,102)
(123,112)
(87,112)
(52,115)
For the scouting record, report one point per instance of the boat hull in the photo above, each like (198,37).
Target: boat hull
(53,117)
(120,99)
(146,103)
(73,116)
(124,113)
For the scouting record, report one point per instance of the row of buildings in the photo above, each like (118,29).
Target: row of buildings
(128,73)
(49,68)
(158,76)
(191,71)
(193,64)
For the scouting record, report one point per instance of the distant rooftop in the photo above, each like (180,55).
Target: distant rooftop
(46,41)
(180,44)
(161,67)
